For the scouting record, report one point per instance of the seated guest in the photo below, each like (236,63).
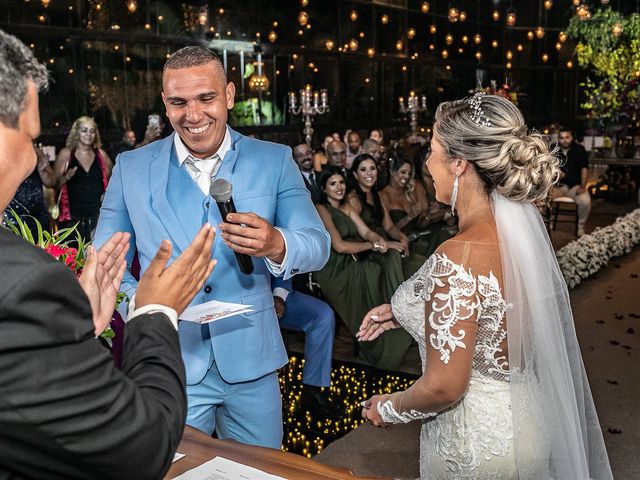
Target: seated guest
(336,156)
(66,411)
(377,136)
(575,173)
(303,156)
(320,154)
(364,199)
(353,283)
(406,201)
(304,313)
(354,142)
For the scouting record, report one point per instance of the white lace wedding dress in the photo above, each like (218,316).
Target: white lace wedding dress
(474,438)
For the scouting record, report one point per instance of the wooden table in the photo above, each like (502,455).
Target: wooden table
(200,447)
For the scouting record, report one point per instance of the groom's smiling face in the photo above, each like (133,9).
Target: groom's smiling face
(197,100)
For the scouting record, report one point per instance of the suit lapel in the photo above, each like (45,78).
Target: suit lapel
(159,170)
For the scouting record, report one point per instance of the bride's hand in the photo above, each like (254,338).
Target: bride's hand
(376,321)
(370,410)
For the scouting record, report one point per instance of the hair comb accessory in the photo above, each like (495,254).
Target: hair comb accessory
(477,113)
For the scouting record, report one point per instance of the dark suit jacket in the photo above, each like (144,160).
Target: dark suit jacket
(65,410)
(314,188)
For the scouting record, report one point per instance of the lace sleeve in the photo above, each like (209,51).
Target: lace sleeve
(452,305)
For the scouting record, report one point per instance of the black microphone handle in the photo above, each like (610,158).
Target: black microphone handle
(244,261)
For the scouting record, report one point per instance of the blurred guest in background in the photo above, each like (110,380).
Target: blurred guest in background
(83,170)
(128,143)
(354,143)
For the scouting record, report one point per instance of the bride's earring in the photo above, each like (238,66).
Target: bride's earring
(454,195)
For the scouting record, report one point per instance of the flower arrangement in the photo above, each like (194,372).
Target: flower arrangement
(583,257)
(57,245)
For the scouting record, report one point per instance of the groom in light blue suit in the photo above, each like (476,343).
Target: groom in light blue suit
(161,191)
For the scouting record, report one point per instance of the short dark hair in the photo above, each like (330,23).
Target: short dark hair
(566,129)
(17,67)
(192,56)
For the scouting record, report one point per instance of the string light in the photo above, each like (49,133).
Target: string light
(530,35)
(448,39)
(371,51)
(511,17)
(465,39)
(463,16)
(354,15)
(540,32)
(433,29)
(558,46)
(509,54)
(545,57)
(304,3)
(562,36)
(132,6)
(425,7)
(479,56)
(303,18)
(273,36)
(569,64)
(411,33)
(617,30)
(445,53)
(508,65)
(494,44)
(329,44)
(548,4)
(520,47)
(353,44)
(453,14)
(477,39)
(399,45)
(384,19)
(495,15)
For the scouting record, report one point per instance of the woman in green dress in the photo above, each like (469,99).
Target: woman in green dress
(364,199)
(352,281)
(406,201)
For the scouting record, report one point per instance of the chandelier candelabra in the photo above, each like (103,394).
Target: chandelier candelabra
(413,106)
(309,103)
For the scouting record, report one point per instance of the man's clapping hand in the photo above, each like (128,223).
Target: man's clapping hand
(176,285)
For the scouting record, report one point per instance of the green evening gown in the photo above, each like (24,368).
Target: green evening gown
(426,244)
(353,287)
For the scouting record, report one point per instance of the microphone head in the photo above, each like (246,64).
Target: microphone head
(221,190)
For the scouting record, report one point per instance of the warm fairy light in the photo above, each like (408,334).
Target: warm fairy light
(329,44)
(384,19)
(463,16)
(540,32)
(273,36)
(445,54)
(404,68)
(477,39)
(432,47)
(478,56)
(411,32)
(617,30)
(569,64)
(433,29)
(508,65)
(45,3)
(353,44)
(548,4)
(41,18)
(371,51)
(465,39)
(425,7)
(304,3)
(519,47)
(545,58)
(494,44)
(147,26)
(495,15)
(562,36)
(354,15)
(203,16)
(132,6)
(160,18)
(303,18)
(453,14)
(511,18)
(531,35)
(221,11)
(399,45)
(583,12)
(448,39)
(558,46)
(509,54)
(460,50)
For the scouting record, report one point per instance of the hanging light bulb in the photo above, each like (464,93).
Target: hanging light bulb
(461,50)
(477,39)
(576,2)
(425,7)
(303,18)
(583,12)
(540,32)
(511,17)
(530,35)
(384,19)
(478,56)
(509,54)
(519,47)
(494,44)
(411,32)
(616,30)
(399,45)
(353,44)
(432,29)
(202,17)
(45,3)
(453,14)
(508,65)
(558,46)
(445,54)
(495,15)
(548,4)
(562,36)
(569,64)
(371,52)
(304,3)
(132,6)
(353,15)
(448,39)
(329,44)
(273,36)
(463,16)
(545,58)
(465,39)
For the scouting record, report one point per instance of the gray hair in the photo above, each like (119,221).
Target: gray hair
(193,56)
(508,158)
(17,67)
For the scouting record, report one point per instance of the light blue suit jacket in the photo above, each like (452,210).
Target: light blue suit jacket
(153,198)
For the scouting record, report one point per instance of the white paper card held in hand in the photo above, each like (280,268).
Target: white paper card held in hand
(224,469)
(212,311)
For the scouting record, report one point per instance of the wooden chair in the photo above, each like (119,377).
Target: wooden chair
(567,209)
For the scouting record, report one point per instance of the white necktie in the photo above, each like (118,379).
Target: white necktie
(202,171)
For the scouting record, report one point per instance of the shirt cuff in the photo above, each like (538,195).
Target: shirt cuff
(283,293)
(152,308)
(277,269)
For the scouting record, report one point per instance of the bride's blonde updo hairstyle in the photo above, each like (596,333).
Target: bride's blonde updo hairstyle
(489,132)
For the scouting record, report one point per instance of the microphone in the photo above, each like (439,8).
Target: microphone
(220,190)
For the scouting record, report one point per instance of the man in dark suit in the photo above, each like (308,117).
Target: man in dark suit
(65,410)
(303,156)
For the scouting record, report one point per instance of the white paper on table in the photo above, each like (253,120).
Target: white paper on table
(177,456)
(224,469)
(212,311)
(598,142)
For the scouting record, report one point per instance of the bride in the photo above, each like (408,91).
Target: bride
(503,394)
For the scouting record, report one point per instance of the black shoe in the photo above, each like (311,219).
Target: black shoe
(316,403)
